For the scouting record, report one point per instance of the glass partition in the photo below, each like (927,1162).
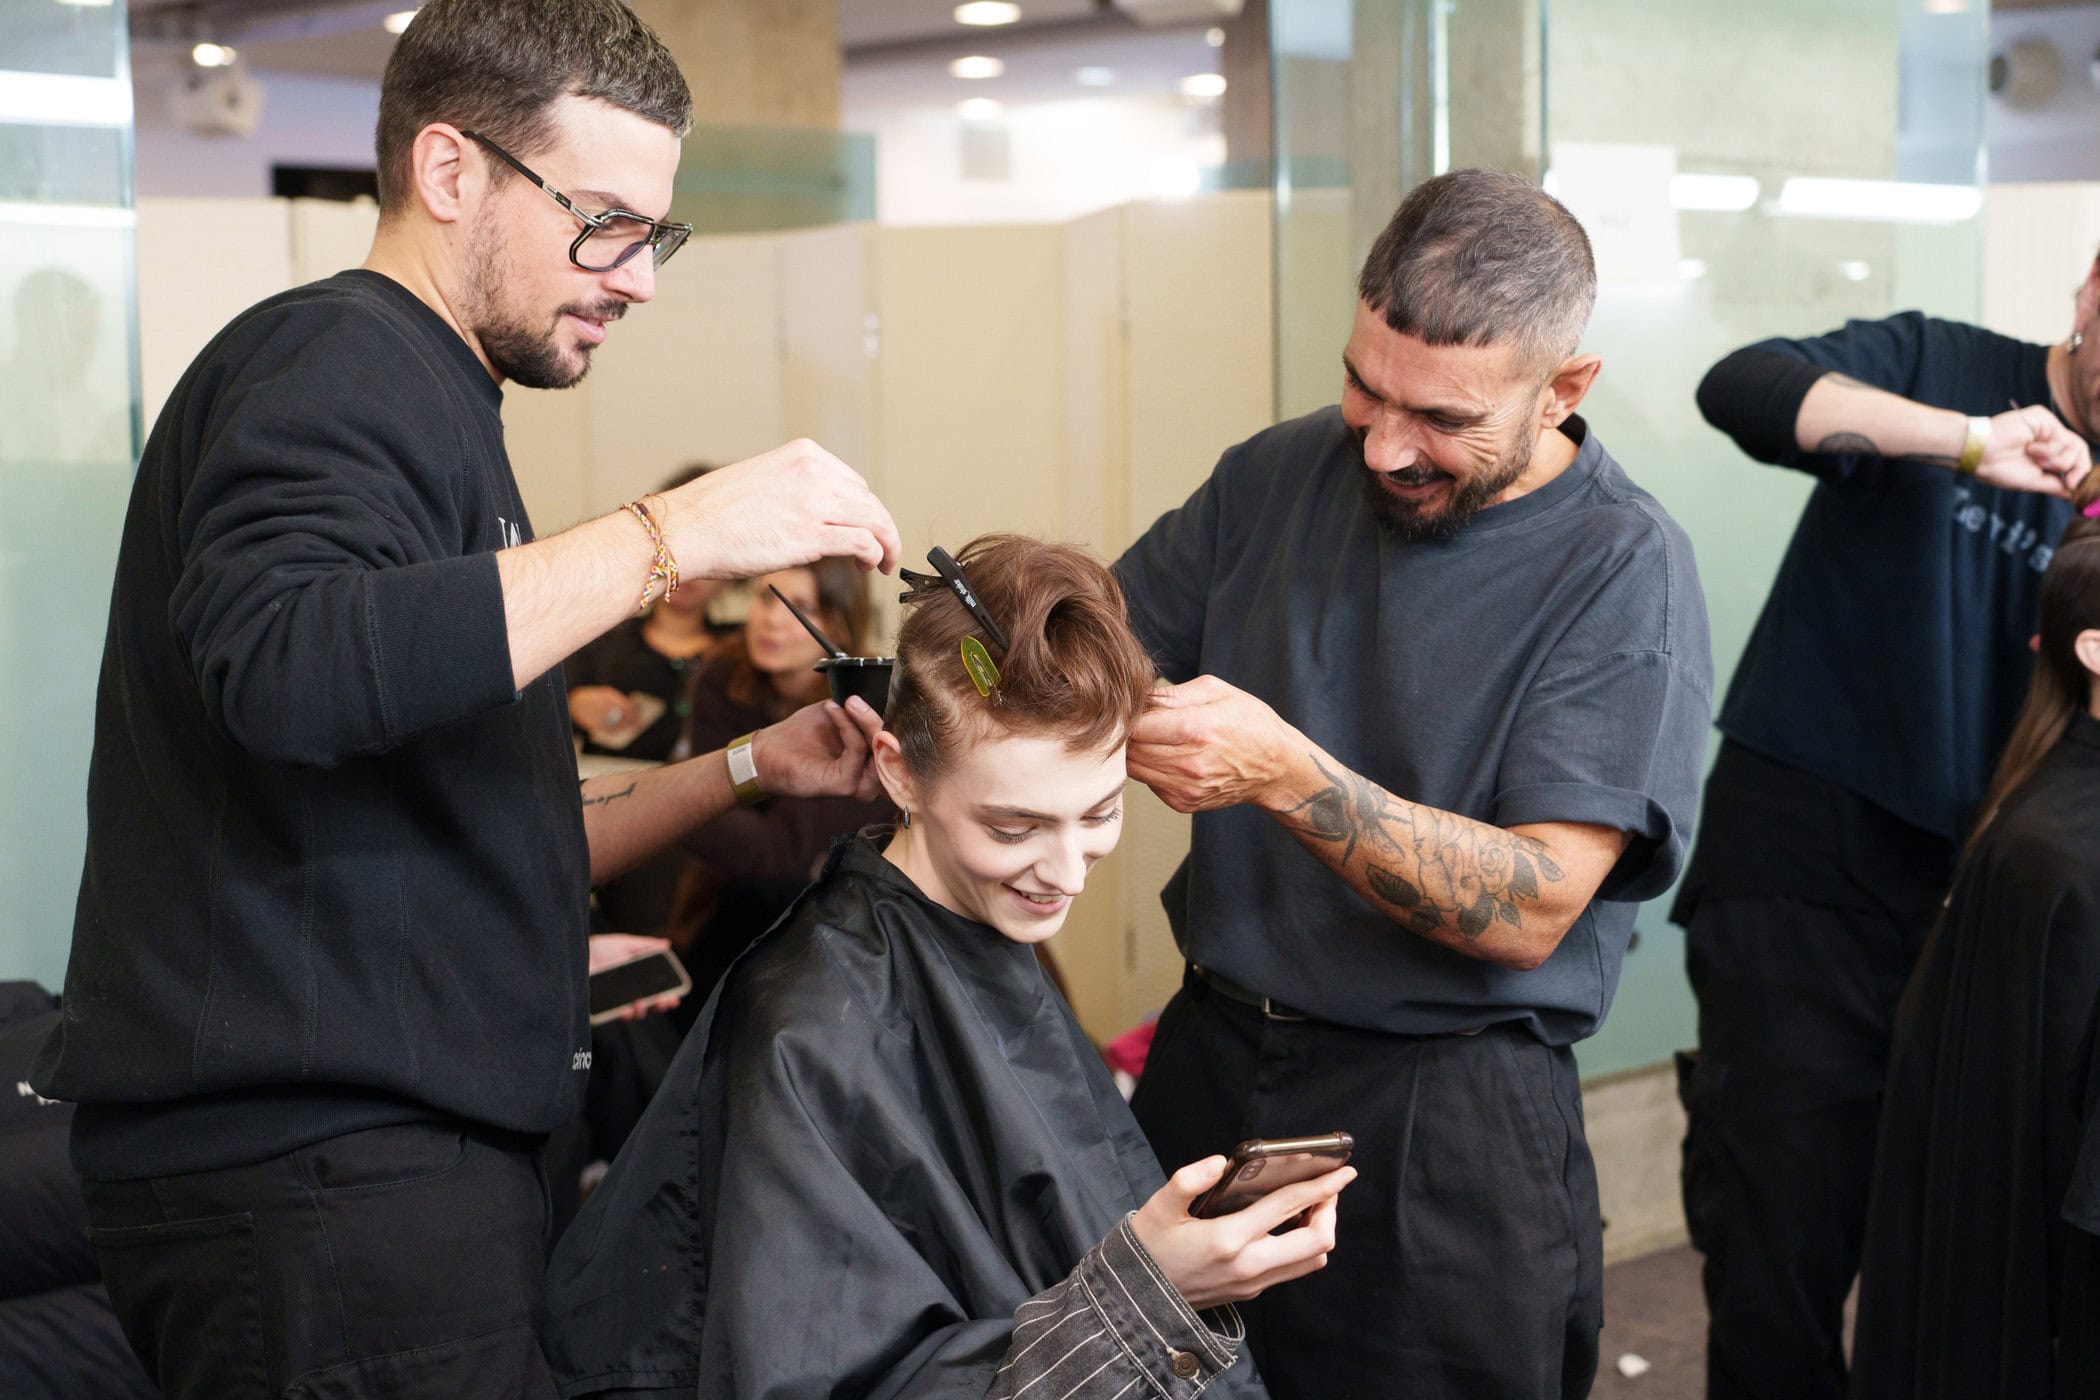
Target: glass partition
(68,440)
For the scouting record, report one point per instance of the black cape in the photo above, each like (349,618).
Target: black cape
(885,1133)
(1981,1273)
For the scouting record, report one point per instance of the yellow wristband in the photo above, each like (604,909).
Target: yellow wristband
(1972,452)
(743,773)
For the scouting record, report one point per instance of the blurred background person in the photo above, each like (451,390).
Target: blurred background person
(744,875)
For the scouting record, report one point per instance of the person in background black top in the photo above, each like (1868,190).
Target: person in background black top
(1980,1278)
(629,689)
(749,865)
(326,993)
(1879,684)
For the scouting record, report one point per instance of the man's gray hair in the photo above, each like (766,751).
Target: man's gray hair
(498,66)
(1479,257)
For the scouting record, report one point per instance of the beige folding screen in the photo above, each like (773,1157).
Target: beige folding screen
(1071,381)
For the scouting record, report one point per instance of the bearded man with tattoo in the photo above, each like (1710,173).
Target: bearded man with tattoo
(1867,713)
(1444,682)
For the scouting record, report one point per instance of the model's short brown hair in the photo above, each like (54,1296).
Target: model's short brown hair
(1073,669)
(497,67)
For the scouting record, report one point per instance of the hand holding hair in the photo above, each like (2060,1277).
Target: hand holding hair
(1206,744)
(2030,449)
(781,509)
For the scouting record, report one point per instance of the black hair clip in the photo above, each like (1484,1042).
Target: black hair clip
(952,577)
(984,672)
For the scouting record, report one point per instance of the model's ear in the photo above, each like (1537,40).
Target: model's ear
(893,772)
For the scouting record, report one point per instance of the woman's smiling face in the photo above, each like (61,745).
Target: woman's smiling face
(1008,832)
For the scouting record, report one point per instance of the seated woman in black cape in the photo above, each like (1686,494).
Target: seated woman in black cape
(1980,1279)
(887,1162)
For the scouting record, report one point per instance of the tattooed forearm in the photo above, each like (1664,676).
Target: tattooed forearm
(606,799)
(1848,445)
(1433,869)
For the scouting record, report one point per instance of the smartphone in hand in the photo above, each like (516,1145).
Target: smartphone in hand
(615,988)
(1261,1165)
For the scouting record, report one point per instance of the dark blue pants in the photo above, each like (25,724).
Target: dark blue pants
(399,1262)
(1468,1255)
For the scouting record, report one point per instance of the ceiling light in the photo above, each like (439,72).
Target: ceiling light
(1214,37)
(87,4)
(1093,75)
(1855,271)
(976,66)
(1691,269)
(1203,85)
(1879,201)
(212,56)
(979,109)
(398,21)
(1725,194)
(987,12)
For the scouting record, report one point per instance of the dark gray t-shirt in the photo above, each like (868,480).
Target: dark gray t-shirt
(1551,663)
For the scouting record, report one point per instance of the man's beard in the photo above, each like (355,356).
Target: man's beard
(515,349)
(1404,520)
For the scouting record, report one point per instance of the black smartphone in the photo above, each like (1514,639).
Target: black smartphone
(638,979)
(1260,1165)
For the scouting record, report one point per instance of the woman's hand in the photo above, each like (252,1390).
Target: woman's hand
(598,708)
(1234,1257)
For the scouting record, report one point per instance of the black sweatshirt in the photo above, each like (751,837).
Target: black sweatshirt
(336,873)
(1891,656)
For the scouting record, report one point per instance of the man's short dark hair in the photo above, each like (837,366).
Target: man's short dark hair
(498,66)
(1479,257)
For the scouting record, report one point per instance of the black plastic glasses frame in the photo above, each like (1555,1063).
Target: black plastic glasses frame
(663,238)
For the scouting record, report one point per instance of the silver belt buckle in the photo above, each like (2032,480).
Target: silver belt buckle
(1268,1009)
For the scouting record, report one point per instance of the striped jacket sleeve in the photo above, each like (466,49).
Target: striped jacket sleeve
(1115,1329)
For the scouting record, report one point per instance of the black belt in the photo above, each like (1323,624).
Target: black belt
(1275,1010)
(1232,991)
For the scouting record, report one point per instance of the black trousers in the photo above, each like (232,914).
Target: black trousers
(1796,1005)
(1467,1263)
(399,1262)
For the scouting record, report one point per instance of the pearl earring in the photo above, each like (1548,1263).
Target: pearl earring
(2077,340)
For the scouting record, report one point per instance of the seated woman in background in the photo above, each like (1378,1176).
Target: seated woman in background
(627,690)
(887,1162)
(1981,1272)
(749,864)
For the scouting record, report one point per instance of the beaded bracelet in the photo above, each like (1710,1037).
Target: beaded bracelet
(663,568)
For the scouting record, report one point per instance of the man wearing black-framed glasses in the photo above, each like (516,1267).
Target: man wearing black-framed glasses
(326,996)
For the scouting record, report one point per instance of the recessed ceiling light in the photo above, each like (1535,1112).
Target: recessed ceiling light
(1214,37)
(87,4)
(212,55)
(979,109)
(987,12)
(1203,85)
(398,21)
(977,65)
(1855,271)
(1093,75)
